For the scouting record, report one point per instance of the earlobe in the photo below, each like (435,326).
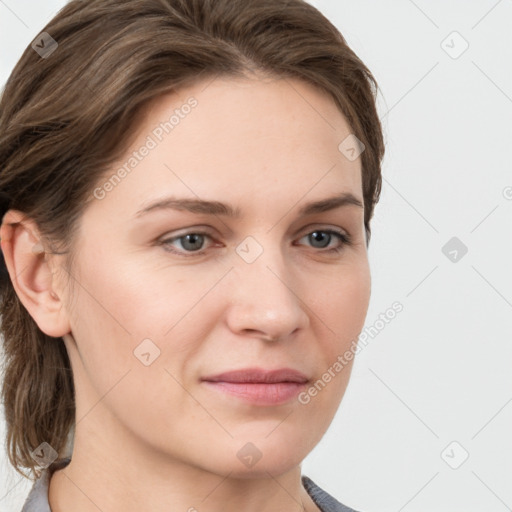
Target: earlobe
(31,273)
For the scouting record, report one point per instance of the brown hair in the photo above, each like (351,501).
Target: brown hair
(65,118)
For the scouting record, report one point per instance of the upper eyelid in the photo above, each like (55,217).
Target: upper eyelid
(186,231)
(205,231)
(339,230)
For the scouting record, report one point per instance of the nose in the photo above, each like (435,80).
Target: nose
(265,301)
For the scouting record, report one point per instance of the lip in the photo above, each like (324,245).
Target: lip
(259,386)
(259,375)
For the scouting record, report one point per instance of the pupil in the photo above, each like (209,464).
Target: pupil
(320,236)
(191,239)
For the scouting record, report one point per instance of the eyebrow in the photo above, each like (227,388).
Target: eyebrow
(202,206)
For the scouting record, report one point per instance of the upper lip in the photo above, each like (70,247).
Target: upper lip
(259,375)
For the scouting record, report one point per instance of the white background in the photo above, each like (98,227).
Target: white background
(441,370)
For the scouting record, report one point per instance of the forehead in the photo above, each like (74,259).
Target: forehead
(261,140)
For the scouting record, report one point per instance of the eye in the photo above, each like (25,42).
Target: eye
(192,242)
(322,238)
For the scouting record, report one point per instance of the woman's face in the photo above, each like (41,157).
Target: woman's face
(172,288)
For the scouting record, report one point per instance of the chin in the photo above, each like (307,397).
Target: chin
(260,457)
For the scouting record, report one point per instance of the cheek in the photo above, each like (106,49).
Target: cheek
(119,306)
(343,302)
(113,312)
(342,309)
(140,301)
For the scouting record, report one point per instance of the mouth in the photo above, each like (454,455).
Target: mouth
(258,386)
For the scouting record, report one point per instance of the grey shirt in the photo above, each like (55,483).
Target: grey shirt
(37,500)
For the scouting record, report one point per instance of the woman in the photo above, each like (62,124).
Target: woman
(187,193)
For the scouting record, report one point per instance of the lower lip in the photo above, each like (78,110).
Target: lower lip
(260,393)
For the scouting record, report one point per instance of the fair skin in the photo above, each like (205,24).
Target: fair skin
(157,437)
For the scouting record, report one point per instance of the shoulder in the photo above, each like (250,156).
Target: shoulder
(324,501)
(37,499)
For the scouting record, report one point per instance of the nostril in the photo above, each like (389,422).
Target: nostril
(258,334)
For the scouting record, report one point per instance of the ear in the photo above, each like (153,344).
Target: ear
(31,273)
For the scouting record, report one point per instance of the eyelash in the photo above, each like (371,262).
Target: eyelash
(345,238)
